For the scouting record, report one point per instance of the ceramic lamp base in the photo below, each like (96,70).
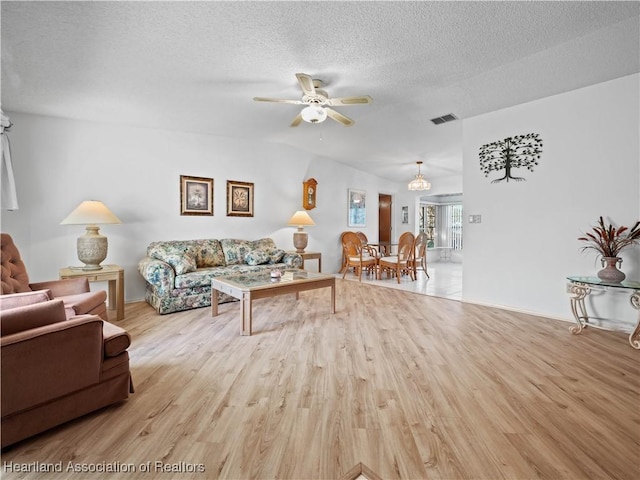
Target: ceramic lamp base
(92,248)
(300,240)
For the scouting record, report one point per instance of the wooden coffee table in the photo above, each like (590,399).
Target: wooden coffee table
(248,287)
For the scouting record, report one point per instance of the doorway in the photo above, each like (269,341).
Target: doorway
(384,217)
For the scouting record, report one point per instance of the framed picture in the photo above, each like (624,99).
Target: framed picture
(239,199)
(196,195)
(357,208)
(405,214)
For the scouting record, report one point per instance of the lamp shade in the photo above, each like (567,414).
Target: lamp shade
(90,212)
(301,219)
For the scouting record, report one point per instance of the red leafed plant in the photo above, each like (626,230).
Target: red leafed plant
(608,240)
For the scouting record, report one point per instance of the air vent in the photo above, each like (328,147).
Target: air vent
(449,117)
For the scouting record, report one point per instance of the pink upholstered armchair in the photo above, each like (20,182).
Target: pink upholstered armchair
(75,293)
(54,368)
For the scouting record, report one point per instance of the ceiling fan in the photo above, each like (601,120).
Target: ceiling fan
(318,103)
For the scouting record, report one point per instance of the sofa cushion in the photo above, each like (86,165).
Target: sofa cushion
(181,262)
(276,256)
(236,250)
(181,258)
(208,253)
(257,257)
(267,244)
(201,278)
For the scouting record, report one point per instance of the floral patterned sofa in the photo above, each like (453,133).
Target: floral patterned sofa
(178,273)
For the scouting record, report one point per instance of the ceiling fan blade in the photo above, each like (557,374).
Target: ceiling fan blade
(278,100)
(306,83)
(338,117)
(344,101)
(296,121)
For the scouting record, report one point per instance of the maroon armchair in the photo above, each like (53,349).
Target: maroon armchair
(75,292)
(54,368)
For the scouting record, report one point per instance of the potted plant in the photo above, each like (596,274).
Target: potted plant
(608,241)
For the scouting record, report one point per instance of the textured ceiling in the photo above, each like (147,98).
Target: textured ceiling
(195,67)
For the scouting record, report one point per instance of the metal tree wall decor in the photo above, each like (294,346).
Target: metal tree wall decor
(512,152)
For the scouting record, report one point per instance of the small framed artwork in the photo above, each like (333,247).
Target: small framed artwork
(239,199)
(196,195)
(357,208)
(405,214)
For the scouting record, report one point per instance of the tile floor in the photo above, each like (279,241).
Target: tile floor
(445,280)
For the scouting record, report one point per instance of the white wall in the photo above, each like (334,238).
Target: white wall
(526,245)
(59,163)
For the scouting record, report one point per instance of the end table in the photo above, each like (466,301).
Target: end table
(114,274)
(311,256)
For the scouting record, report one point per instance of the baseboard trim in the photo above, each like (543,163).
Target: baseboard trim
(520,310)
(135,300)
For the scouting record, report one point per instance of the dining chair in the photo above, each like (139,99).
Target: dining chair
(420,254)
(356,255)
(373,251)
(344,258)
(402,262)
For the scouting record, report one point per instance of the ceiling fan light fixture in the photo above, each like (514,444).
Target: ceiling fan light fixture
(419,183)
(313,114)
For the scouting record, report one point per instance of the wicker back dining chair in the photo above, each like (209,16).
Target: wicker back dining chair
(365,244)
(420,254)
(402,262)
(356,256)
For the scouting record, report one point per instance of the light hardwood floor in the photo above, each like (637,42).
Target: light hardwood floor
(412,386)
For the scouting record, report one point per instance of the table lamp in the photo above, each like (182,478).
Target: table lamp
(92,247)
(300,219)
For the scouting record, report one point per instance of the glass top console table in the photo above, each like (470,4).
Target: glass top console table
(580,287)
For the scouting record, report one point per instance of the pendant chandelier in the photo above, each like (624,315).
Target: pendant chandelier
(419,183)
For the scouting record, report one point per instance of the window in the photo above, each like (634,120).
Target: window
(450,231)
(442,224)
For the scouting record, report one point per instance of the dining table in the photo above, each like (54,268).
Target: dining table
(384,248)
